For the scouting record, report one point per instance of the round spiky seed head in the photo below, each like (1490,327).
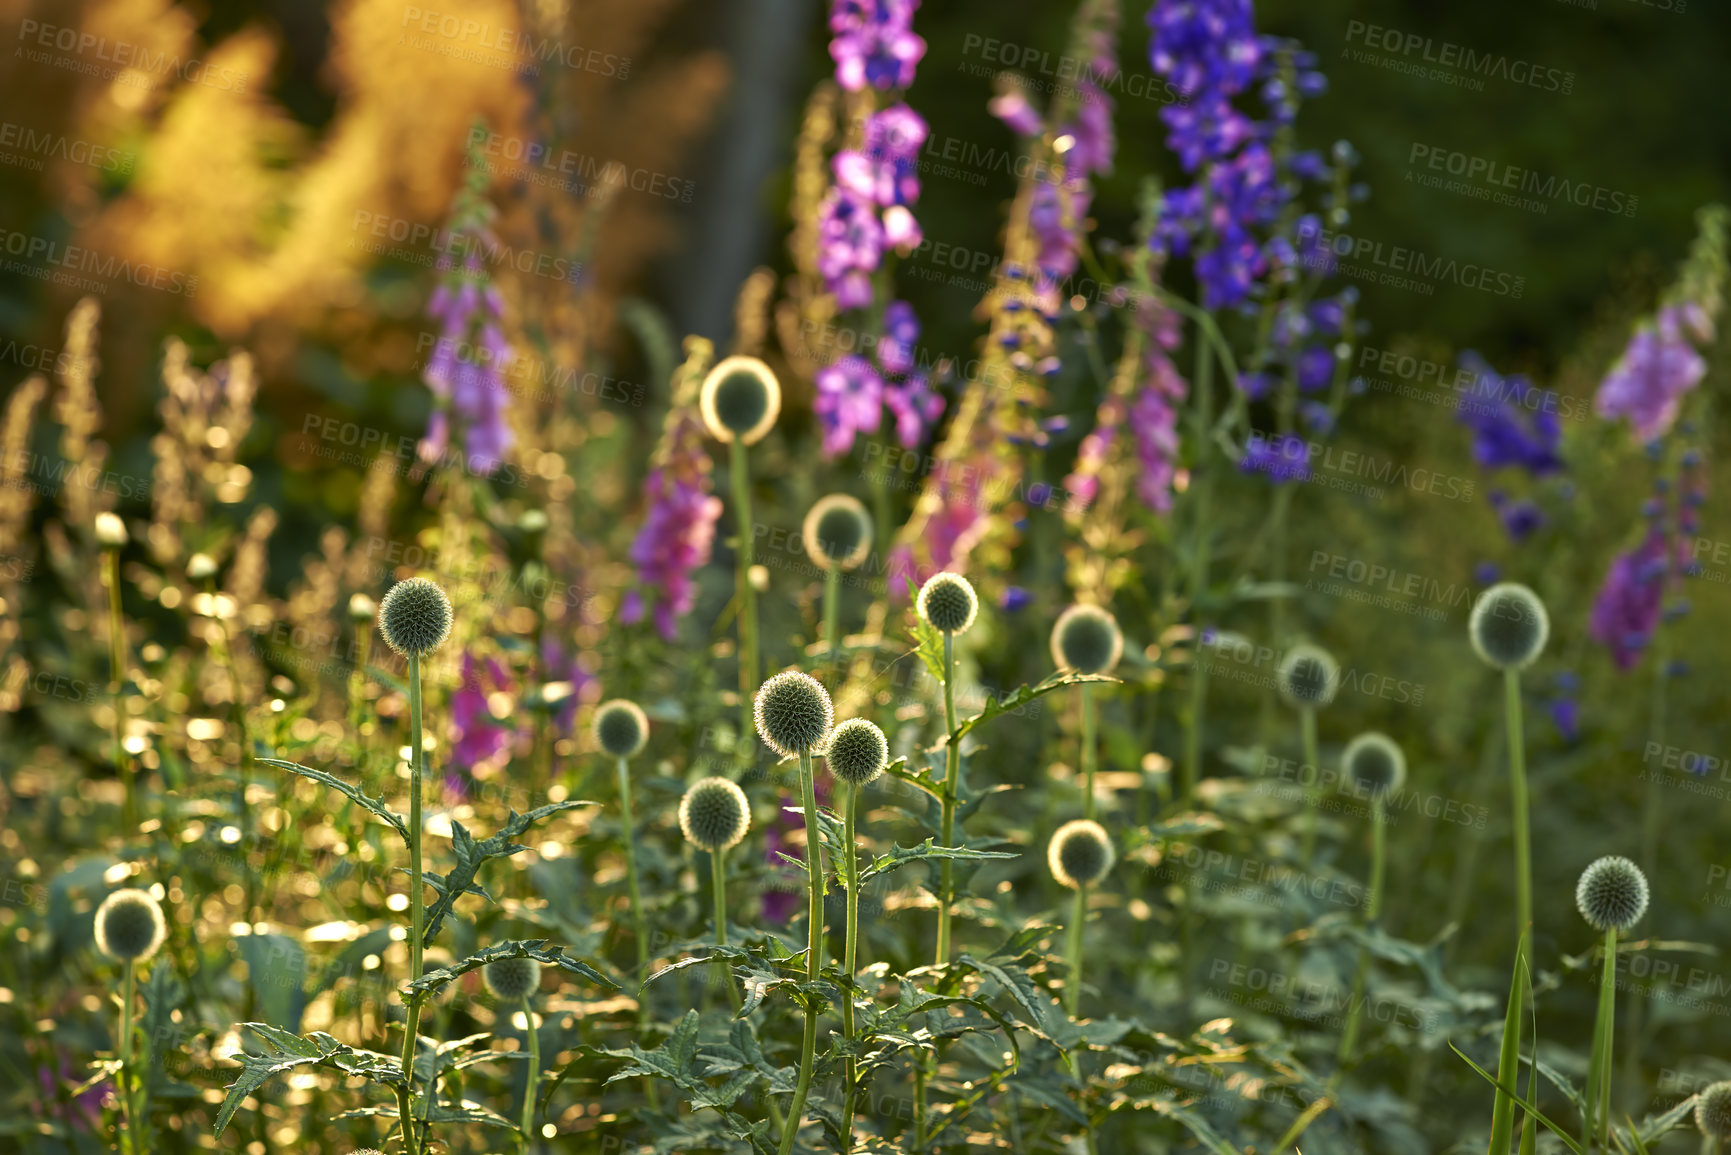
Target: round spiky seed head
(1713,1111)
(415,617)
(1308,677)
(837,532)
(620,728)
(130,926)
(512,979)
(857,751)
(362,608)
(714,814)
(1509,626)
(1612,894)
(200,566)
(740,399)
(947,602)
(110,531)
(793,713)
(1079,854)
(369,1151)
(1374,763)
(1087,639)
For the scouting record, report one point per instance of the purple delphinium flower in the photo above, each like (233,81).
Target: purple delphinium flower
(850,246)
(679,531)
(874,43)
(1628,606)
(1656,370)
(1514,423)
(466,370)
(849,401)
(895,350)
(916,409)
(1521,519)
(1282,457)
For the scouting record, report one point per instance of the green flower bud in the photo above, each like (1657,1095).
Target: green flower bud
(1308,676)
(1374,763)
(415,617)
(130,926)
(837,533)
(1087,639)
(1509,626)
(1612,894)
(512,979)
(1079,854)
(714,814)
(947,602)
(620,728)
(793,713)
(857,751)
(740,398)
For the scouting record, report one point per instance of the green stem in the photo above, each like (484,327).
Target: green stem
(831,616)
(117,676)
(952,782)
(127,1122)
(919,1143)
(1313,795)
(850,874)
(1073,951)
(747,596)
(639,929)
(411,1023)
(1518,788)
(1372,907)
(718,885)
(534,1039)
(813,948)
(1202,479)
(1598,1096)
(1089,754)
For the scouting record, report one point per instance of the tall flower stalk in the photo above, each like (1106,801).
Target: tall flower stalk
(1612,896)
(1086,639)
(947,603)
(793,714)
(857,753)
(1375,765)
(415,618)
(129,928)
(111,536)
(740,400)
(621,730)
(1308,678)
(714,816)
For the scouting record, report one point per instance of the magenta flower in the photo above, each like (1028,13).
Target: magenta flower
(478,735)
(679,532)
(1629,604)
(916,409)
(874,43)
(466,371)
(895,351)
(1656,370)
(850,246)
(849,401)
(1013,109)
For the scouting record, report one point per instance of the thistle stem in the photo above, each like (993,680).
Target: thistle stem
(1313,799)
(1089,753)
(1372,908)
(117,677)
(1199,561)
(747,596)
(831,616)
(411,1023)
(1598,1097)
(850,875)
(813,948)
(952,782)
(534,1042)
(1073,950)
(1518,789)
(639,930)
(718,885)
(128,1123)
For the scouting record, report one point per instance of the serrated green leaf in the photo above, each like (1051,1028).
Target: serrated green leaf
(1015,981)
(471,856)
(535,948)
(285,1051)
(1021,696)
(374,806)
(928,850)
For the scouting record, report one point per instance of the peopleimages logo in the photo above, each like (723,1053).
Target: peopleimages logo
(1445,60)
(1485,179)
(1401,267)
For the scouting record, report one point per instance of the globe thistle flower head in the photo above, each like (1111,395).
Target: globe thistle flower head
(130,926)
(857,751)
(110,531)
(947,602)
(837,533)
(1374,762)
(1087,639)
(362,608)
(1079,854)
(1713,1111)
(620,728)
(740,399)
(511,980)
(714,814)
(415,617)
(793,713)
(1308,677)
(1612,894)
(1509,626)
